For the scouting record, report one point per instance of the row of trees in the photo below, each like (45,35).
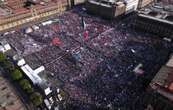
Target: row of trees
(17,75)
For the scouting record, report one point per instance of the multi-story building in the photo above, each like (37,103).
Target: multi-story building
(143,3)
(17,12)
(160,94)
(114,8)
(156,18)
(166,1)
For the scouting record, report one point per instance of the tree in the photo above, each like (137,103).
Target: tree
(16,74)
(62,93)
(5,63)
(36,98)
(29,91)
(2,57)
(9,66)
(25,84)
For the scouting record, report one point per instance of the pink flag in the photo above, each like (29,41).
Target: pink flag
(85,35)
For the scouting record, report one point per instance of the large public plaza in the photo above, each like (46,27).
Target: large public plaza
(95,64)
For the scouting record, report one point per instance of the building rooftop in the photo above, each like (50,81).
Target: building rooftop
(158,12)
(163,81)
(16,7)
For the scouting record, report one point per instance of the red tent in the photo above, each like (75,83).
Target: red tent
(56,41)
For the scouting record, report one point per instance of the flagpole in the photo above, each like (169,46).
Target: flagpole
(82,35)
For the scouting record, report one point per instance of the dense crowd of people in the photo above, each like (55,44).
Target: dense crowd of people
(97,70)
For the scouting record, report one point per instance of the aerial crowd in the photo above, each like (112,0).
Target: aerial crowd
(95,58)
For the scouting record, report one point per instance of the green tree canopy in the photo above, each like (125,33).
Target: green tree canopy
(25,84)
(63,94)
(9,65)
(5,63)
(16,74)
(30,90)
(36,98)
(2,57)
